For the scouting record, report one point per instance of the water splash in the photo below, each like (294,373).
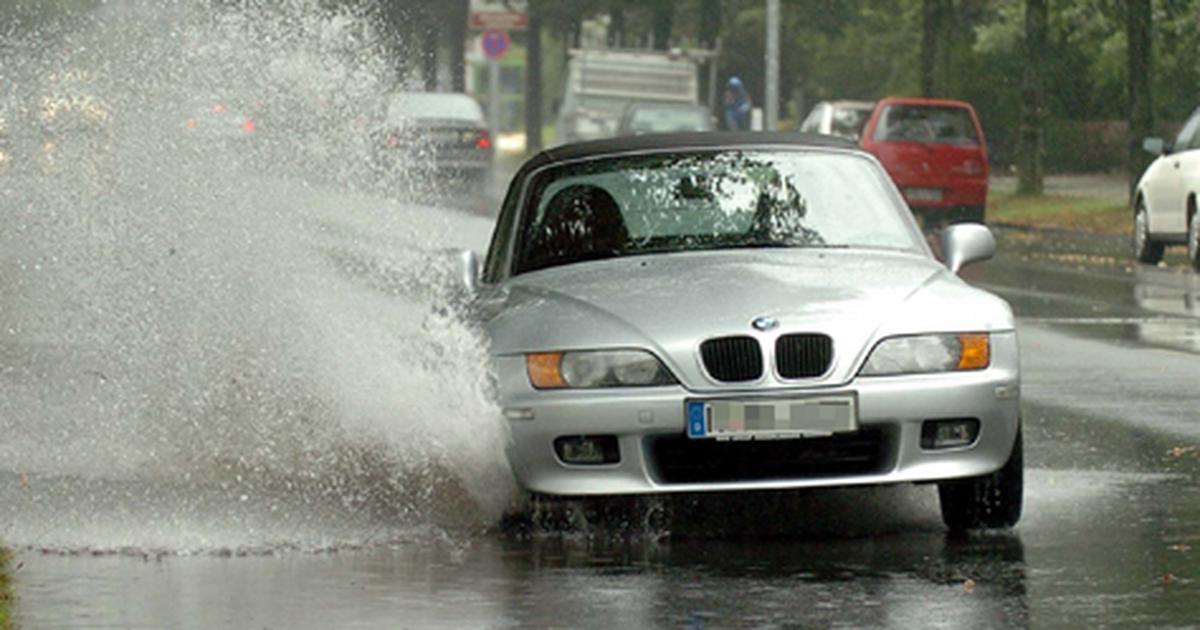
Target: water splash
(224,341)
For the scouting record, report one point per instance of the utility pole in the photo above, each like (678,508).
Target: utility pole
(771,106)
(533,80)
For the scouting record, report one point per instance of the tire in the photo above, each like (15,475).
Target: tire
(989,501)
(1145,249)
(1193,240)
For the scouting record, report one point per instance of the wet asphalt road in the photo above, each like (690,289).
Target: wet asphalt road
(1110,537)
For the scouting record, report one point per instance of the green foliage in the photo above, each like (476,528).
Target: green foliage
(5,592)
(1089,214)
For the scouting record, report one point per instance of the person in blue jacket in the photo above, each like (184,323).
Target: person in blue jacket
(737,106)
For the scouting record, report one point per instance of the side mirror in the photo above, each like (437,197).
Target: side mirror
(468,271)
(965,243)
(1154,146)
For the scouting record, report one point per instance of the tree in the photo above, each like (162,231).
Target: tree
(1141,105)
(709,30)
(661,22)
(1029,153)
(456,37)
(935,15)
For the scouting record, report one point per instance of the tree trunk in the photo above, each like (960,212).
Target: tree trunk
(710,22)
(710,29)
(1029,152)
(533,81)
(937,33)
(660,24)
(1141,111)
(616,28)
(456,42)
(429,50)
(930,34)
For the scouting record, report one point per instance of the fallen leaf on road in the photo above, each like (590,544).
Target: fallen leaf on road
(1180,451)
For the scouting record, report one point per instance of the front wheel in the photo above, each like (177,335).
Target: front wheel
(1146,249)
(988,501)
(1193,240)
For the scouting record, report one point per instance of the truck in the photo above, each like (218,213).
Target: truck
(602,82)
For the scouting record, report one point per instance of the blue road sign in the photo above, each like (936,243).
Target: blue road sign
(495,44)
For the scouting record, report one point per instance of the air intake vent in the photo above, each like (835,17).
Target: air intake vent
(732,359)
(803,355)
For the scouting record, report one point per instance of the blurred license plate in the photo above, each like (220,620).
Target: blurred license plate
(923,194)
(771,418)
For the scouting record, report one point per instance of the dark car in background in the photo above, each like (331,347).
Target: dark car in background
(936,154)
(438,135)
(639,118)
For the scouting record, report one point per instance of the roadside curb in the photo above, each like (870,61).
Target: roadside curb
(1057,231)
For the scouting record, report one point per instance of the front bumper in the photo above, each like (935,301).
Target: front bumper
(891,410)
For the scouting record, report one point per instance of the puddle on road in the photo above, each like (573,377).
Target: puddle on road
(1089,536)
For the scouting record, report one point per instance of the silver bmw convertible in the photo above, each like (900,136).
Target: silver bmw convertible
(742,312)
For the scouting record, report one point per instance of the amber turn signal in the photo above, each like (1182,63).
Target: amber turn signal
(543,369)
(976,352)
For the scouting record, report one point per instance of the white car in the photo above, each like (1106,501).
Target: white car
(844,119)
(1164,202)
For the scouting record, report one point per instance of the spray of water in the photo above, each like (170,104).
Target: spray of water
(221,336)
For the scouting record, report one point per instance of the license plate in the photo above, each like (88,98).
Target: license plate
(923,194)
(771,418)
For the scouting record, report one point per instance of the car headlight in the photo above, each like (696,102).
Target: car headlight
(921,354)
(595,368)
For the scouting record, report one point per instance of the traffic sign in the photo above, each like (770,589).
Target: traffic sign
(495,44)
(499,15)
(506,20)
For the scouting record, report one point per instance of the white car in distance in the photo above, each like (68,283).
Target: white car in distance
(1164,202)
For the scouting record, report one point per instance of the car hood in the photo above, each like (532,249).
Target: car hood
(670,303)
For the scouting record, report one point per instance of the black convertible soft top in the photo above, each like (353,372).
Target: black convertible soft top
(685,141)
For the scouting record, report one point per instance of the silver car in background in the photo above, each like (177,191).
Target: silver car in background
(442,136)
(740,312)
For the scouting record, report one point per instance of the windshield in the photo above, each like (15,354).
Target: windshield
(669,119)
(927,124)
(676,202)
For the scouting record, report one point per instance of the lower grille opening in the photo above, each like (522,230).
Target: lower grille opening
(679,459)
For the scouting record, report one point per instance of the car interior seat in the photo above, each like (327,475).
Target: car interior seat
(581,222)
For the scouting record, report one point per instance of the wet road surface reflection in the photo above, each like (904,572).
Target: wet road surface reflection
(1111,517)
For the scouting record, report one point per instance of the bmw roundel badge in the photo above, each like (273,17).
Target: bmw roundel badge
(764,323)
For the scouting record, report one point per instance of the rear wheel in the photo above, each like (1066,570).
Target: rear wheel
(988,501)
(1146,249)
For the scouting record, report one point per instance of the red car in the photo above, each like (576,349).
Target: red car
(935,152)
